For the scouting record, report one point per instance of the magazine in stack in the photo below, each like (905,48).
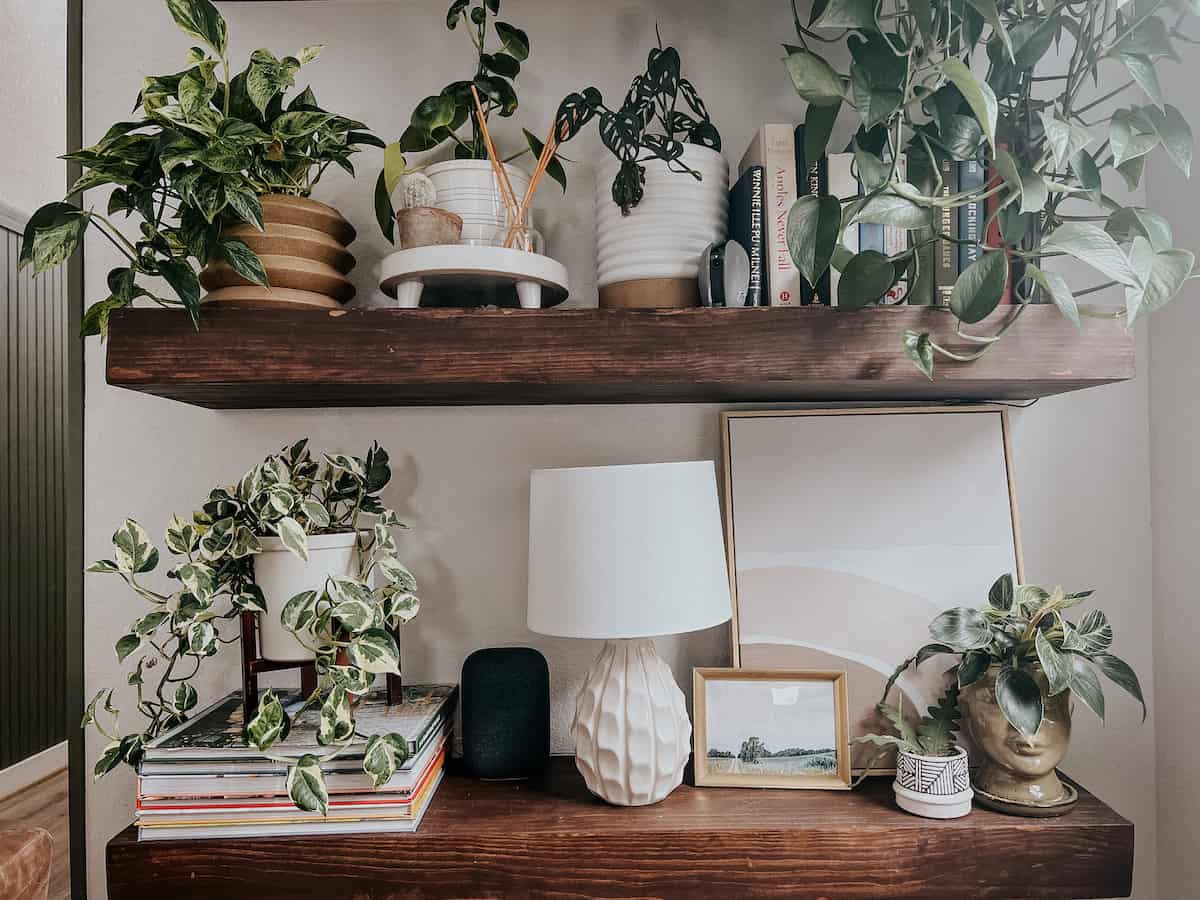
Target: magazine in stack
(202,780)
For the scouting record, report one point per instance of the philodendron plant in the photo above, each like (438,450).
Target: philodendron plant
(1024,629)
(983,80)
(499,50)
(202,145)
(627,132)
(347,623)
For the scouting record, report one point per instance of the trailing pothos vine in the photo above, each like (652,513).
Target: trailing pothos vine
(347,623)
(976,79)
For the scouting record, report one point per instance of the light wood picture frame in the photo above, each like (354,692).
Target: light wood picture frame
(848,529)
(796,709)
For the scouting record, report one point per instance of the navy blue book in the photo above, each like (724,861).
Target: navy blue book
(971,216)
(748,226)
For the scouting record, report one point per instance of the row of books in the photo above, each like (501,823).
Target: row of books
(774,172)
(202,780)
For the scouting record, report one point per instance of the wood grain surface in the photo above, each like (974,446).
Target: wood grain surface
(550,838)
(46,805)
(393,357)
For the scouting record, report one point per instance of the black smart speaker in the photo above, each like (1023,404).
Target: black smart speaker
(505,712)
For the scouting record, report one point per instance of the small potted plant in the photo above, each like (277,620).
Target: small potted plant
(218,168)
(466,185)
(299,542)
(932,778)
(662,194)
(1020,661)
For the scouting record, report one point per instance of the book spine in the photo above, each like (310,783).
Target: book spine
(842,184)
(946,262)
(747,226)
(774,149)
(970,215)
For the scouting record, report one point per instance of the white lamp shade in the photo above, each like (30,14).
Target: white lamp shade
(626,551)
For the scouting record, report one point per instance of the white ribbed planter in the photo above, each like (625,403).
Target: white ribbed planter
(655,251)
(632,731)
(936,787)
(468,188)
(281,575)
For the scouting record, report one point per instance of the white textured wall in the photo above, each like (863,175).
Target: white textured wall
(33,102)
(1174,439)
(462,474)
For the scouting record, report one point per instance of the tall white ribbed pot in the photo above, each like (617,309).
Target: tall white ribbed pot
(281,575)
(468,188)
(651,258)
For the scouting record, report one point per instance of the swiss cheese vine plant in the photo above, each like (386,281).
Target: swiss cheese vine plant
(1022,88)
(201,146)
(347,623)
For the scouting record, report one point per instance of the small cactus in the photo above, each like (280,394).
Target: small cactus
(416,190)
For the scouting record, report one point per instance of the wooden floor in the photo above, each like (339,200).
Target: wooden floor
(46,804)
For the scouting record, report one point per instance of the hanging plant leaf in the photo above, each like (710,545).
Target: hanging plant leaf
(978,95)
(818,126)
(1162,274)
(919,348)
(515,41)
(978,290)
(1057,289)
(814,79)
(813,226)
(1022,178)
(857,14)
(865,279)
(1065,138)
(1092,245)
(1120,674)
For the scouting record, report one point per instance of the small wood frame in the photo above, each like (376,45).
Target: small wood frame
(824,781)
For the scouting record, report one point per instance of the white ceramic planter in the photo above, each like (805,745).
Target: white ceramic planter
(281,575)
(468,188)
(664,236)
(936,787)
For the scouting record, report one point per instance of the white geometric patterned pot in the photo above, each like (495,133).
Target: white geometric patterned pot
(936,787)
(632,732)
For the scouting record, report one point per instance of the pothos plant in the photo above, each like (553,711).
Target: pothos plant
(202,146)
(499,49)
(976,80)
(346,622)
(654,97)
(1022,630)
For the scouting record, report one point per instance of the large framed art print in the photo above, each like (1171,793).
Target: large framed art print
(848,530)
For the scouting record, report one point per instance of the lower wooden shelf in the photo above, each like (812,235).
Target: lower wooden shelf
(551,838)
(407,357)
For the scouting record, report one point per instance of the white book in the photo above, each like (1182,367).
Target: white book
(774,148)
(842,184)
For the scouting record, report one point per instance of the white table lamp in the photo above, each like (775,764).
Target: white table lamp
(625,553)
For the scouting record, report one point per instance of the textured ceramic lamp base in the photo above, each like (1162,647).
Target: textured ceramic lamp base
(632,732)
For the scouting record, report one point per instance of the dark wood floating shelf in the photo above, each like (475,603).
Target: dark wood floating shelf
(392,357)
(550,838)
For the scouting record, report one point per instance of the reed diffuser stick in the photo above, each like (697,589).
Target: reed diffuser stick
(506,189)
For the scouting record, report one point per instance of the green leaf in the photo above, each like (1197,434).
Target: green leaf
(814,79)
(52,235)
(199,578)
(974,665)
(818,126)
(310,52)
(1000,594)
(554,168)
(243,260)
(299,123)
(336,724)
(1175,134)
(270,722)
(383,754)
(245,543)
(1056,287)
(893,714)
(1065,138)
(110,757)
(866,278)
(201,639)
(185,696)
(991,15)
(95,320)
(400,607)
(127,644)
(1128,222)
(354,613)
(1086,171)
(1055,663)
(456,10)
(918,347)
(1092,245)
(1030,184)
(394,166)
(978,290)
(1020,699)
(199,19)
(1092,635)
(306,785)
(374,651)
(103,567)
(859,14)
(1141,68)
(1129,137)
(218,539)
(385,215)
(962,629)
(888,208)
(813,226)
(1163,273)
(182,279)
(514,41)
(135,552)
(315,511)
(291,533)
(298,613)
(1119,673)
(1085,684)
(89,714)
(243,201)
(352,678)
(977,94)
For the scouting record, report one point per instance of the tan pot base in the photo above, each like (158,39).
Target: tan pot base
(651,293)
(256,297)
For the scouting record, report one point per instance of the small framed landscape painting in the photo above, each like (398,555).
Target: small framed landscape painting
(771,728)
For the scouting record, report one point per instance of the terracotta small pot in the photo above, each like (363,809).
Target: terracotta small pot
(303,249)
(427,226)
(1017,772)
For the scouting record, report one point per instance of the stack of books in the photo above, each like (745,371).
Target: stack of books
(202,780)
